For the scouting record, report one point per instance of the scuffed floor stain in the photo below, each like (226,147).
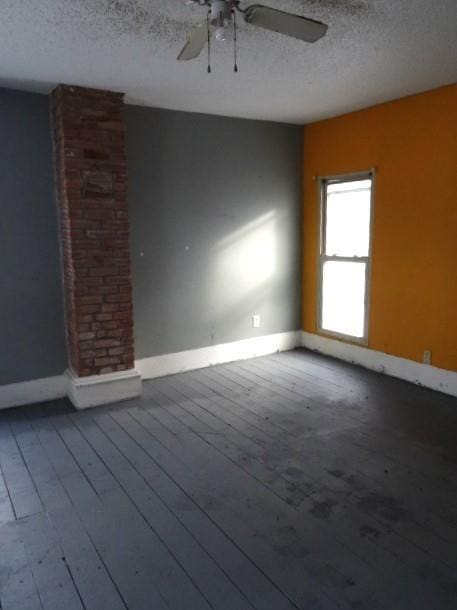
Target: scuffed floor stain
(338,474)
(432,573)
(367,531)
(324,509)
(386,507)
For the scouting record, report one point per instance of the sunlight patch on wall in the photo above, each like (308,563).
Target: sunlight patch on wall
(247,257)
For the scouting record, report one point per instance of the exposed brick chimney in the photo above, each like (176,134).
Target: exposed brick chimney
(91,178)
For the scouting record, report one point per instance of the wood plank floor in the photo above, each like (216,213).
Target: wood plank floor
(283,482)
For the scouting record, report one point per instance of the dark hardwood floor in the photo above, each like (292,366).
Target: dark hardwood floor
(283,482)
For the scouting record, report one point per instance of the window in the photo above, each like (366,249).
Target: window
(344,260)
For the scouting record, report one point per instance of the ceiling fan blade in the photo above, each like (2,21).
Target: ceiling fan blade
(195,42)
(285,23)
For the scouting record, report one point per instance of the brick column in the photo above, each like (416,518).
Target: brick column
(91,179)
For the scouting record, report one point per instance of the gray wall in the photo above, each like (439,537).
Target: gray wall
(215,210)
(32,342)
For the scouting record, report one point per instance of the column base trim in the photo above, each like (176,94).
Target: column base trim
(86,392)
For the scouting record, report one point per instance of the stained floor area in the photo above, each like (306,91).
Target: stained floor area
(282,482)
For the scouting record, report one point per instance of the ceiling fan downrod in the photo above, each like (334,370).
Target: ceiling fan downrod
(221,14)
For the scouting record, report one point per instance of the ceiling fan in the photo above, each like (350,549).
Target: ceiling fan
(221,15)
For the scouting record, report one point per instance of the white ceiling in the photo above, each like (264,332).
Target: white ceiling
(375,50)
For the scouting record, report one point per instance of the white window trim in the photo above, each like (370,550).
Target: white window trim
(321,258)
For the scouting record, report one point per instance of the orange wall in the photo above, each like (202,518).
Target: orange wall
(413,144)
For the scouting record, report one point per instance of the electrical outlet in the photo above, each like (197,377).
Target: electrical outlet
(427,359)
(256,321)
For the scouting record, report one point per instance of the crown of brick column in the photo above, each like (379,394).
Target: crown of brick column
(91,177)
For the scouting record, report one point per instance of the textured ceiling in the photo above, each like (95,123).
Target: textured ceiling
(375,50)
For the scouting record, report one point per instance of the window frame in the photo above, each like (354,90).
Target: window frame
(323,181)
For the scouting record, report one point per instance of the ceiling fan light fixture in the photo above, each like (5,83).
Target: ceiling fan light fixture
(219,35)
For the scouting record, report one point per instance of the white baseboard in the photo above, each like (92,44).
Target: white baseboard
(85,392)
(169,364)
(415,372)
(36,390)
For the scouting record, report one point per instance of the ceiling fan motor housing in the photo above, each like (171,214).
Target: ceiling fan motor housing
(221,12)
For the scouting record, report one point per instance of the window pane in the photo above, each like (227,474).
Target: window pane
(348,218)
(348,185)
(343,297)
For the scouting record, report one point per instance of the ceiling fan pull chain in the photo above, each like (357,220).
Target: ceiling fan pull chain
(209,42)
(235,53)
